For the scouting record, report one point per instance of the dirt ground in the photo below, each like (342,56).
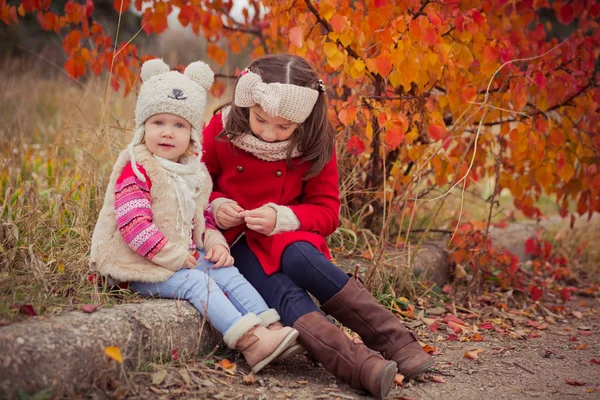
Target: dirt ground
(550,358)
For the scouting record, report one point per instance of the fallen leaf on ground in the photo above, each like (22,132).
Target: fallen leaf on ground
(487,325)
(438,379)
(249,379)
(573,382)
(89,308)
(185,376)
(114,353)
(398,379)
(582,346)
(585,333)
(227,366)
(26,309)
(577,314)
(302,382)
(476,338)
(158,377)
(473,354)
(594,361)
(429,349)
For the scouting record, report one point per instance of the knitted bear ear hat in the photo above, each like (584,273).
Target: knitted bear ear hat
(165,91)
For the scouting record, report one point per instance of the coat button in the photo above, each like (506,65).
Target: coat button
(278,173)
(240,168)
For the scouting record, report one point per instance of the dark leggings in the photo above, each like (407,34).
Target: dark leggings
(303,269)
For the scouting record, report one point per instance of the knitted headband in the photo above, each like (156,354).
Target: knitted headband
(292,102)
(165,91)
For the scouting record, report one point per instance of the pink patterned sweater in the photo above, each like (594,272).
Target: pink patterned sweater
(133,211)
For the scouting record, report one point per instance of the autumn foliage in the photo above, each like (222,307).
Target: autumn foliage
(428,96)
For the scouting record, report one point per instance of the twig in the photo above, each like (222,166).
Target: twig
(522,367)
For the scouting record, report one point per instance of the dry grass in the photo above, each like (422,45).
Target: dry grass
(58,142)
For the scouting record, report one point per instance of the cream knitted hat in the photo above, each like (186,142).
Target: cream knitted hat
(292,102)
(165,91)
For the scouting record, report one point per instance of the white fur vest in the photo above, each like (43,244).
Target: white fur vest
(111,256)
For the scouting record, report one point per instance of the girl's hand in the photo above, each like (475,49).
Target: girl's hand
(190,262)
(228,215)
(261,220)
(219,254)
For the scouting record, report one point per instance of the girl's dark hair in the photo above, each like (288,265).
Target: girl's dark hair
(315,136)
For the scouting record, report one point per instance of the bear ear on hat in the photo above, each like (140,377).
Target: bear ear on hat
(153,67)
(200,72)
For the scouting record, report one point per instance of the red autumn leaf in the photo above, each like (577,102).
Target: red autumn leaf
(565,294)
(565,14)
(533,335)
(175,355)
(89,308)
(121,6)
(452,338)
(574,382)
(27,309)
(356,146)
(436,131)
(71,41)
(536,293)
(379,3)
(573,338)
(433,327)
(487,325)
(89,8)
(594,361)
(453,318)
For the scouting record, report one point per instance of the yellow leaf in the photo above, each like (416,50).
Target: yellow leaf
(336,60)
(411,136)
(369,131)
(346,39)
(114,353)
(357,69)
(394,78)
(330,49)
(61,268)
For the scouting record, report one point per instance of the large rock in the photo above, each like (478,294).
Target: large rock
(66,352)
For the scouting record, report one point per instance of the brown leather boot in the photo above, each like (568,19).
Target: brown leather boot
(271,320)
(350,362)
(259,345)
(355,307)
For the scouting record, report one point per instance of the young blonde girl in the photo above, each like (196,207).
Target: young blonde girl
(271,156)
(156,231)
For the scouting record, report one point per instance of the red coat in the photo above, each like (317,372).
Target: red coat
(251,182)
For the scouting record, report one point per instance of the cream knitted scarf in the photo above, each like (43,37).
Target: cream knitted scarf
(266,151)
(187,182)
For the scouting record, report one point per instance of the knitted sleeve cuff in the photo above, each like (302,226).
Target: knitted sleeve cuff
(212,237)
(287,221)
(172,256)
(215,204)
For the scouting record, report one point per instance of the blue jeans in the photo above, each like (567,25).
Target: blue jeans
(303,268)
(222,295)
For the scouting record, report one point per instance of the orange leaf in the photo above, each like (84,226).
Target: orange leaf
(398,379)
(337,23)
(438,379)
(437,132)
(394,136)
(473,354)
(296,36)
(217,54)
(114,353)
(384,65)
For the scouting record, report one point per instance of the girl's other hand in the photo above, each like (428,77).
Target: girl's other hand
(190,262)
(219,254)
(261,220)
(228,215)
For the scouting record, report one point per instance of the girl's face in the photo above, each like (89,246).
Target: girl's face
(270,129)
(167,135)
